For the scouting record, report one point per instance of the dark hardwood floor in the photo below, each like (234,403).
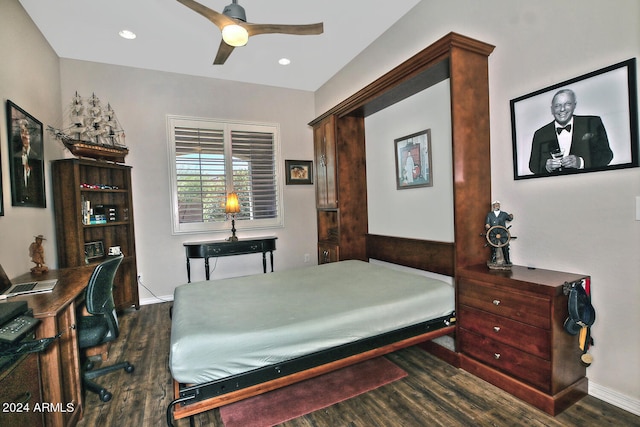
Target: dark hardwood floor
(433,394)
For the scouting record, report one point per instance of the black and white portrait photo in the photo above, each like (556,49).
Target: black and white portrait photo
(26,153)
(582,125)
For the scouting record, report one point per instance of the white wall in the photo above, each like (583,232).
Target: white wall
(30,78)
(142,99)
(583,224)
(404,213)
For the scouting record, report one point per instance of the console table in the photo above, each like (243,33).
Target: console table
(218,248)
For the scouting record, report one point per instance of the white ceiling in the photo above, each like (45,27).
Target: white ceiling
(174,38)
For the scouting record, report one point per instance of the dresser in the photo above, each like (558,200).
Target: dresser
(510,333)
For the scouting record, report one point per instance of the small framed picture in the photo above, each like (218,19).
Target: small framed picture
(93,250)
(585,124)
(413,160)
(299,171)
(26,158)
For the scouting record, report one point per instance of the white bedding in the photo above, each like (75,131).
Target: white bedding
(225,327)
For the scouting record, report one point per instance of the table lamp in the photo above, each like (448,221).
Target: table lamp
(232,207)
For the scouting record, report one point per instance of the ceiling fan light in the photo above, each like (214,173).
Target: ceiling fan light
(235,35)
(127,34)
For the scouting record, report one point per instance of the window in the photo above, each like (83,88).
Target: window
(210,158)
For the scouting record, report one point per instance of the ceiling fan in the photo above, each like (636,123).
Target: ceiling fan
(236,30)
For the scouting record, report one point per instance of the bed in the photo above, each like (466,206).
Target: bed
(235,338)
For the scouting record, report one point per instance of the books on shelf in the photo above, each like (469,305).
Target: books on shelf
(97,219)
(100,214)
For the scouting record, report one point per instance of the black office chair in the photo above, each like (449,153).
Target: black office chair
(102,325)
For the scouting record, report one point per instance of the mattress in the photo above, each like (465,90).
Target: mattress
(231,326)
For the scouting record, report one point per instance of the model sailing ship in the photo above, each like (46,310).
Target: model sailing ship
(94,131)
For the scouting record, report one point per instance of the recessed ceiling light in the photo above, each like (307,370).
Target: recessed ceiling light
(126,34)
(284,61)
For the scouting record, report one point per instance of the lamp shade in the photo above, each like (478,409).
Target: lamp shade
(232,205)
(235,35)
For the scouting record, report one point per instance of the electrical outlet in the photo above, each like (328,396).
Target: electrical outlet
(307,258)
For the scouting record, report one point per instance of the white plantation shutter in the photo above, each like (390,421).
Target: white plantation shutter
(211,158)
(254,174)
(200,174)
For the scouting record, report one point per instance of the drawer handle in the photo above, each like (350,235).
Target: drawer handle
(496,356)
(496,302)
(26,398)
(496,329)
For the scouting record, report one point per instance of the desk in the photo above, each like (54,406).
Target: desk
(60,363)
(218,248)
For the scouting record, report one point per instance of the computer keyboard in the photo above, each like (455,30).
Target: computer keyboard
(24,287)
(17,328)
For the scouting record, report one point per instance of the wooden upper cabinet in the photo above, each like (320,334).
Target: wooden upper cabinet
(324,137)
(341,188)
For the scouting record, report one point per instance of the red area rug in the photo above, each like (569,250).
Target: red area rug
(302,398)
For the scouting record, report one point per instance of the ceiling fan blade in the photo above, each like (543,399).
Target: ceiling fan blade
(300,30)
(223,53)
(221,20)
(218,19)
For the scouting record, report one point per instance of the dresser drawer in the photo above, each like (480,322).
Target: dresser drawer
(530,339)
(519,364)
(525,308)
(19,392)
(237,248)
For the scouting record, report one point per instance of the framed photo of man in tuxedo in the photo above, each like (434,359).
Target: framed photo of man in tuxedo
(26,158)
(585,124)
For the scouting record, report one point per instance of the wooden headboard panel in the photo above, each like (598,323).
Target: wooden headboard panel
(428,255)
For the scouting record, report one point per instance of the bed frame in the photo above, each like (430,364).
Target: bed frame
(192,399)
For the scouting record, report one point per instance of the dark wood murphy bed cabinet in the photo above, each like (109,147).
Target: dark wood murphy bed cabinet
(341,160)
(341,208)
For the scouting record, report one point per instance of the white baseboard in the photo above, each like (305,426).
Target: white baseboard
(156,300)
(615,398)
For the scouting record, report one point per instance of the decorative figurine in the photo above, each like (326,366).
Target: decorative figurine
(498,237)
(36,252)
